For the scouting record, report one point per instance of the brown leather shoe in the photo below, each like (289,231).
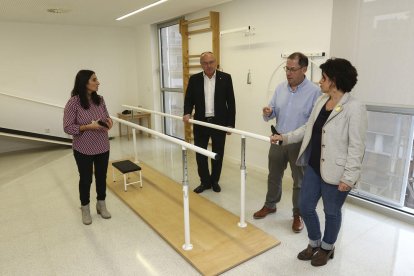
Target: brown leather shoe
(263,212)
(297,224)
(306,254)
(322,256)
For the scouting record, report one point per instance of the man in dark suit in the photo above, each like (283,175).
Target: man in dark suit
(211,94)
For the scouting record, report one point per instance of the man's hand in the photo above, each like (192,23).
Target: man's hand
(275,138)
(267,111)
(229,133)
(186,118)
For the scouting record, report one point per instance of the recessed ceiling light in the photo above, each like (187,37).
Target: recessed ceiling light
(57,10)
(141,9)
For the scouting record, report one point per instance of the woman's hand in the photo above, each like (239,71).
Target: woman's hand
(109,123)
(92,126)
(342,187)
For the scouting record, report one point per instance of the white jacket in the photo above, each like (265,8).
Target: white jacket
(343,140)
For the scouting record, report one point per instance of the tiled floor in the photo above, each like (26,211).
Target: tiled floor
(41,231)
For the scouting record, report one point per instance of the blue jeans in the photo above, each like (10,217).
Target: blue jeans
(313,188)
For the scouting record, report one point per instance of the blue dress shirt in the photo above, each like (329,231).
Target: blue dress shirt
(292,108)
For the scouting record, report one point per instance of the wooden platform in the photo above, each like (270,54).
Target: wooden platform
(218,243)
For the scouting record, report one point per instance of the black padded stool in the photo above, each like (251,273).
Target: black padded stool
(125,167)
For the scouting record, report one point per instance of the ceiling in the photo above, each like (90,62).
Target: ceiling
(98,12)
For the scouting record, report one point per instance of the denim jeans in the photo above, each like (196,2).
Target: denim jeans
(313,188)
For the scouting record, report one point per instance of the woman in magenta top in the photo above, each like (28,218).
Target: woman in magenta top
(87,120)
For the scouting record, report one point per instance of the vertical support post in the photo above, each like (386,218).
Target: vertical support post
(242,222)
(311,69)
(113,174)
(186,68)
(134,137)
(215,35)
(187,245)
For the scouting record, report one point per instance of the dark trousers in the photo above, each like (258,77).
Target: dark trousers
(279,157)
(218,139)
(86,164)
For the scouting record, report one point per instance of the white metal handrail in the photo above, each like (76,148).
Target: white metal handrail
(155,133)
(31,100)
(169,138)
(196,122)
(34,138)
(184,145)
(242,223)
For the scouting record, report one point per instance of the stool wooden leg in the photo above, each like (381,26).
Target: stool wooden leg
(140,179)
(125,183)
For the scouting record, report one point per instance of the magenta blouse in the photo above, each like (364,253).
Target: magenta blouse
(89,142)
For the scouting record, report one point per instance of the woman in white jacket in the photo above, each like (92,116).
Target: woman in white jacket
(332,150)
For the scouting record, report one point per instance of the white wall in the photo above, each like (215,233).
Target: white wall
(378,39)
(344,36)
(40,62)
(281,27)
(148,71)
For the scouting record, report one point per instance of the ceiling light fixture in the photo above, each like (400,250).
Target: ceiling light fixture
(57,10)
(141,9)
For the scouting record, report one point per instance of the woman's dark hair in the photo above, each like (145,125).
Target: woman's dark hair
(81,80)
(341,72)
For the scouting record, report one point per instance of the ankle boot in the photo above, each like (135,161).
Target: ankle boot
(307,253)
(101,209)
(86,215)
(322,256)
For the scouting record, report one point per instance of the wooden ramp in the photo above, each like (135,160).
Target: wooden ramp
(218,243)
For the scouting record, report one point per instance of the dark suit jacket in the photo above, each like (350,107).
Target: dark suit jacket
(224,103)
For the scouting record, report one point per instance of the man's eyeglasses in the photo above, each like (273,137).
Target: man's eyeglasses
(291,69)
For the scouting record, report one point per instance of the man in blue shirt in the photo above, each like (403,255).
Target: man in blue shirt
(291,105)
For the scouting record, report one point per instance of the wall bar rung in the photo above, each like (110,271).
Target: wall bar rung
(188,22)
(199,31)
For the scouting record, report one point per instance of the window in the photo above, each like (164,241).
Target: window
(387,170)
(387,173)
(171,77)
